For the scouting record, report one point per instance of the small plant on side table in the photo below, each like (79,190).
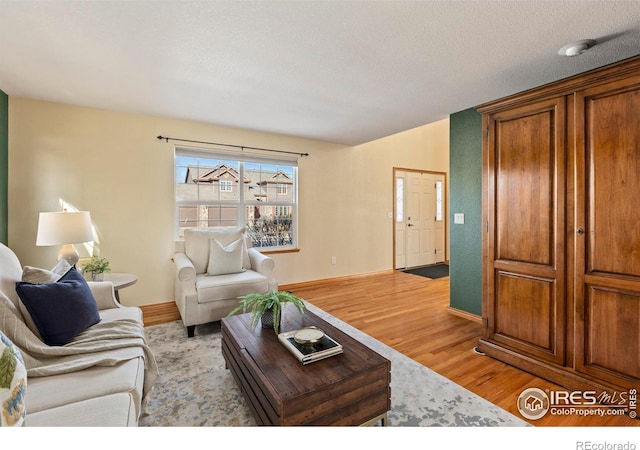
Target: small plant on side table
(262,303)
(97,267)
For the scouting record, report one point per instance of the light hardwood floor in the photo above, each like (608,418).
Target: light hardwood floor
(410,314)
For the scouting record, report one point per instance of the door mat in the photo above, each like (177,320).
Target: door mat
(433,272)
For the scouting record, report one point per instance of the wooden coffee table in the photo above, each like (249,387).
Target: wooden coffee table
(351,388)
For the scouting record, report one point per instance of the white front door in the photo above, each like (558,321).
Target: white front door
(419,221)
(420,204)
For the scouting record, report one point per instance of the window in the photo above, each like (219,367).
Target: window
(399,199)
(215,190)
(439,201)
(225,185)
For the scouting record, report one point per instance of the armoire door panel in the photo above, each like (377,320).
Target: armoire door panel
(525,187)
(526,165)
(613,176)
(525,314)
(611,344)
(607,258)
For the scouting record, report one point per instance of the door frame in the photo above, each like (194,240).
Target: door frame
(446,209)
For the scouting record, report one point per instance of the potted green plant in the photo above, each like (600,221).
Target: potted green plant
(267,307)
(97,267)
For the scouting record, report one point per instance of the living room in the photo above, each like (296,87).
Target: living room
(67,153)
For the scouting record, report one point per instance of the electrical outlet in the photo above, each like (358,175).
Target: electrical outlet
(333,260)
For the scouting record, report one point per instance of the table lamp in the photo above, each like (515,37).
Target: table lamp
(65,228)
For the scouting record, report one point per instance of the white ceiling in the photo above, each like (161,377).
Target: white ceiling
(338,71)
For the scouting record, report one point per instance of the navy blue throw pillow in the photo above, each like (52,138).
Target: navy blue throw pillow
(60,310)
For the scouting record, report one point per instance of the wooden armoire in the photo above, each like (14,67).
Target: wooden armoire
(561,245)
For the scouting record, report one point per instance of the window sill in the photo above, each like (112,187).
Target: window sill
(274,252)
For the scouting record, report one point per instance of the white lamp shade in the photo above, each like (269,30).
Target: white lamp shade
(59,228)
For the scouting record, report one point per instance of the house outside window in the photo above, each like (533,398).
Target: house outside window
(265,200)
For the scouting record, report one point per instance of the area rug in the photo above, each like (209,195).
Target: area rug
(433,272)
(195,390)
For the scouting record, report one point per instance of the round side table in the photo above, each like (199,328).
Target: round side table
(120,281)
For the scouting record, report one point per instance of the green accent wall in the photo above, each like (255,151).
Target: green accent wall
(465,172)
(4,166)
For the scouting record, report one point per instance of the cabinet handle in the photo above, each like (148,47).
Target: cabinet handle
(580,231)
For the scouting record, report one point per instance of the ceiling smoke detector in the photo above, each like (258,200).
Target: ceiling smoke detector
(576,48)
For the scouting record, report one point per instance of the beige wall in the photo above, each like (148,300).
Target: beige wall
(112,165)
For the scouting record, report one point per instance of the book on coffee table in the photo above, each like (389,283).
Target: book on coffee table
(306,353)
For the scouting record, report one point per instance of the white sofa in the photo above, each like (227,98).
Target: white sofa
(201,297)
(105,388)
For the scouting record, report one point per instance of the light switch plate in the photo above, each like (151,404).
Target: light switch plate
(458,218)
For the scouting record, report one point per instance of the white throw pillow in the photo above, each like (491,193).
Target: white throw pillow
(196,245)
(225,259)
(36,275)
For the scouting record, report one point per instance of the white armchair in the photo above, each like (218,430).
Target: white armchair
(213,269)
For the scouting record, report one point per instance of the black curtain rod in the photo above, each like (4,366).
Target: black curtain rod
(241,147)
